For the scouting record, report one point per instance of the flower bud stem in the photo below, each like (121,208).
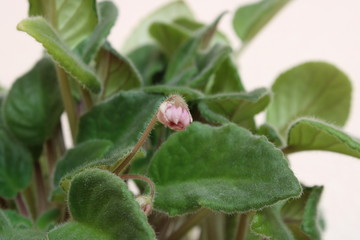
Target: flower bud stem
(143,178)
(141,141)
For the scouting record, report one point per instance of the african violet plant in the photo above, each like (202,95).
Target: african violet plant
(219,172)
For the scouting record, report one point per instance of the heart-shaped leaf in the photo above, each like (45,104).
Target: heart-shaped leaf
(313,89)
(116,72)
(107,17)
(41,31)
(235,107)
(100,201)
(308,134)
(33,105)
(120,120)
(74,20)
(222,168)
(250,19)
(15,166)
(166,14)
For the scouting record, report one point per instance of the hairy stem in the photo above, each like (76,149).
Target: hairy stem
(242,227)
(189,224)
(141,141)
(86,97)
(143,178)
(40,188)
(68,100)
(21,205)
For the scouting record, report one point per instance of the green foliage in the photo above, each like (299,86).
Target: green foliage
(140,35)
(41,31)
(308,134)
(250,19)
(328,94)
(15,165)
(117,72)
(101,202)
(229,173)
(33,105)
(225,163)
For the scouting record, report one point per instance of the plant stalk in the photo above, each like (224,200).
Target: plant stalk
(242,227)
(68,100)
(21,205)
(143,178)
(40,188)
(86,96)
(137,146)
(189,224)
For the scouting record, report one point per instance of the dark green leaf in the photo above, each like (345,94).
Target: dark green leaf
(150,62)
(102,202)
(41,31)
(16,228)
(48,219)
(120,119)
(33,105)
(226,79)
(313,89)
(165,14)
(250,19)
(15,166)
(169,36)
(17,221)
(235,107)
(77,231)
(233,171)
(268,224)
(302,215)
(308,134)
(80,156)
(271,134)
(188,93)
(108,14)
(117,72)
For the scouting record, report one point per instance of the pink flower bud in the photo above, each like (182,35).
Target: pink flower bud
(145,203)
(174,113)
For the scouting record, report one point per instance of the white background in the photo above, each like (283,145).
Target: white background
(305,30)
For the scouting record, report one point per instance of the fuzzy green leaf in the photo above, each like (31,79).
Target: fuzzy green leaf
(226,79)
(108,14)
(302,215)
(33,105)
(120,120)
(74,20)
(80,156)
(313,89)
(41,31)
(235,107)
(250,19)
(117,72)
(15,166)
(165,14)
(101,201)
(308,134)
(183,61)
(47,220)
(234,171)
